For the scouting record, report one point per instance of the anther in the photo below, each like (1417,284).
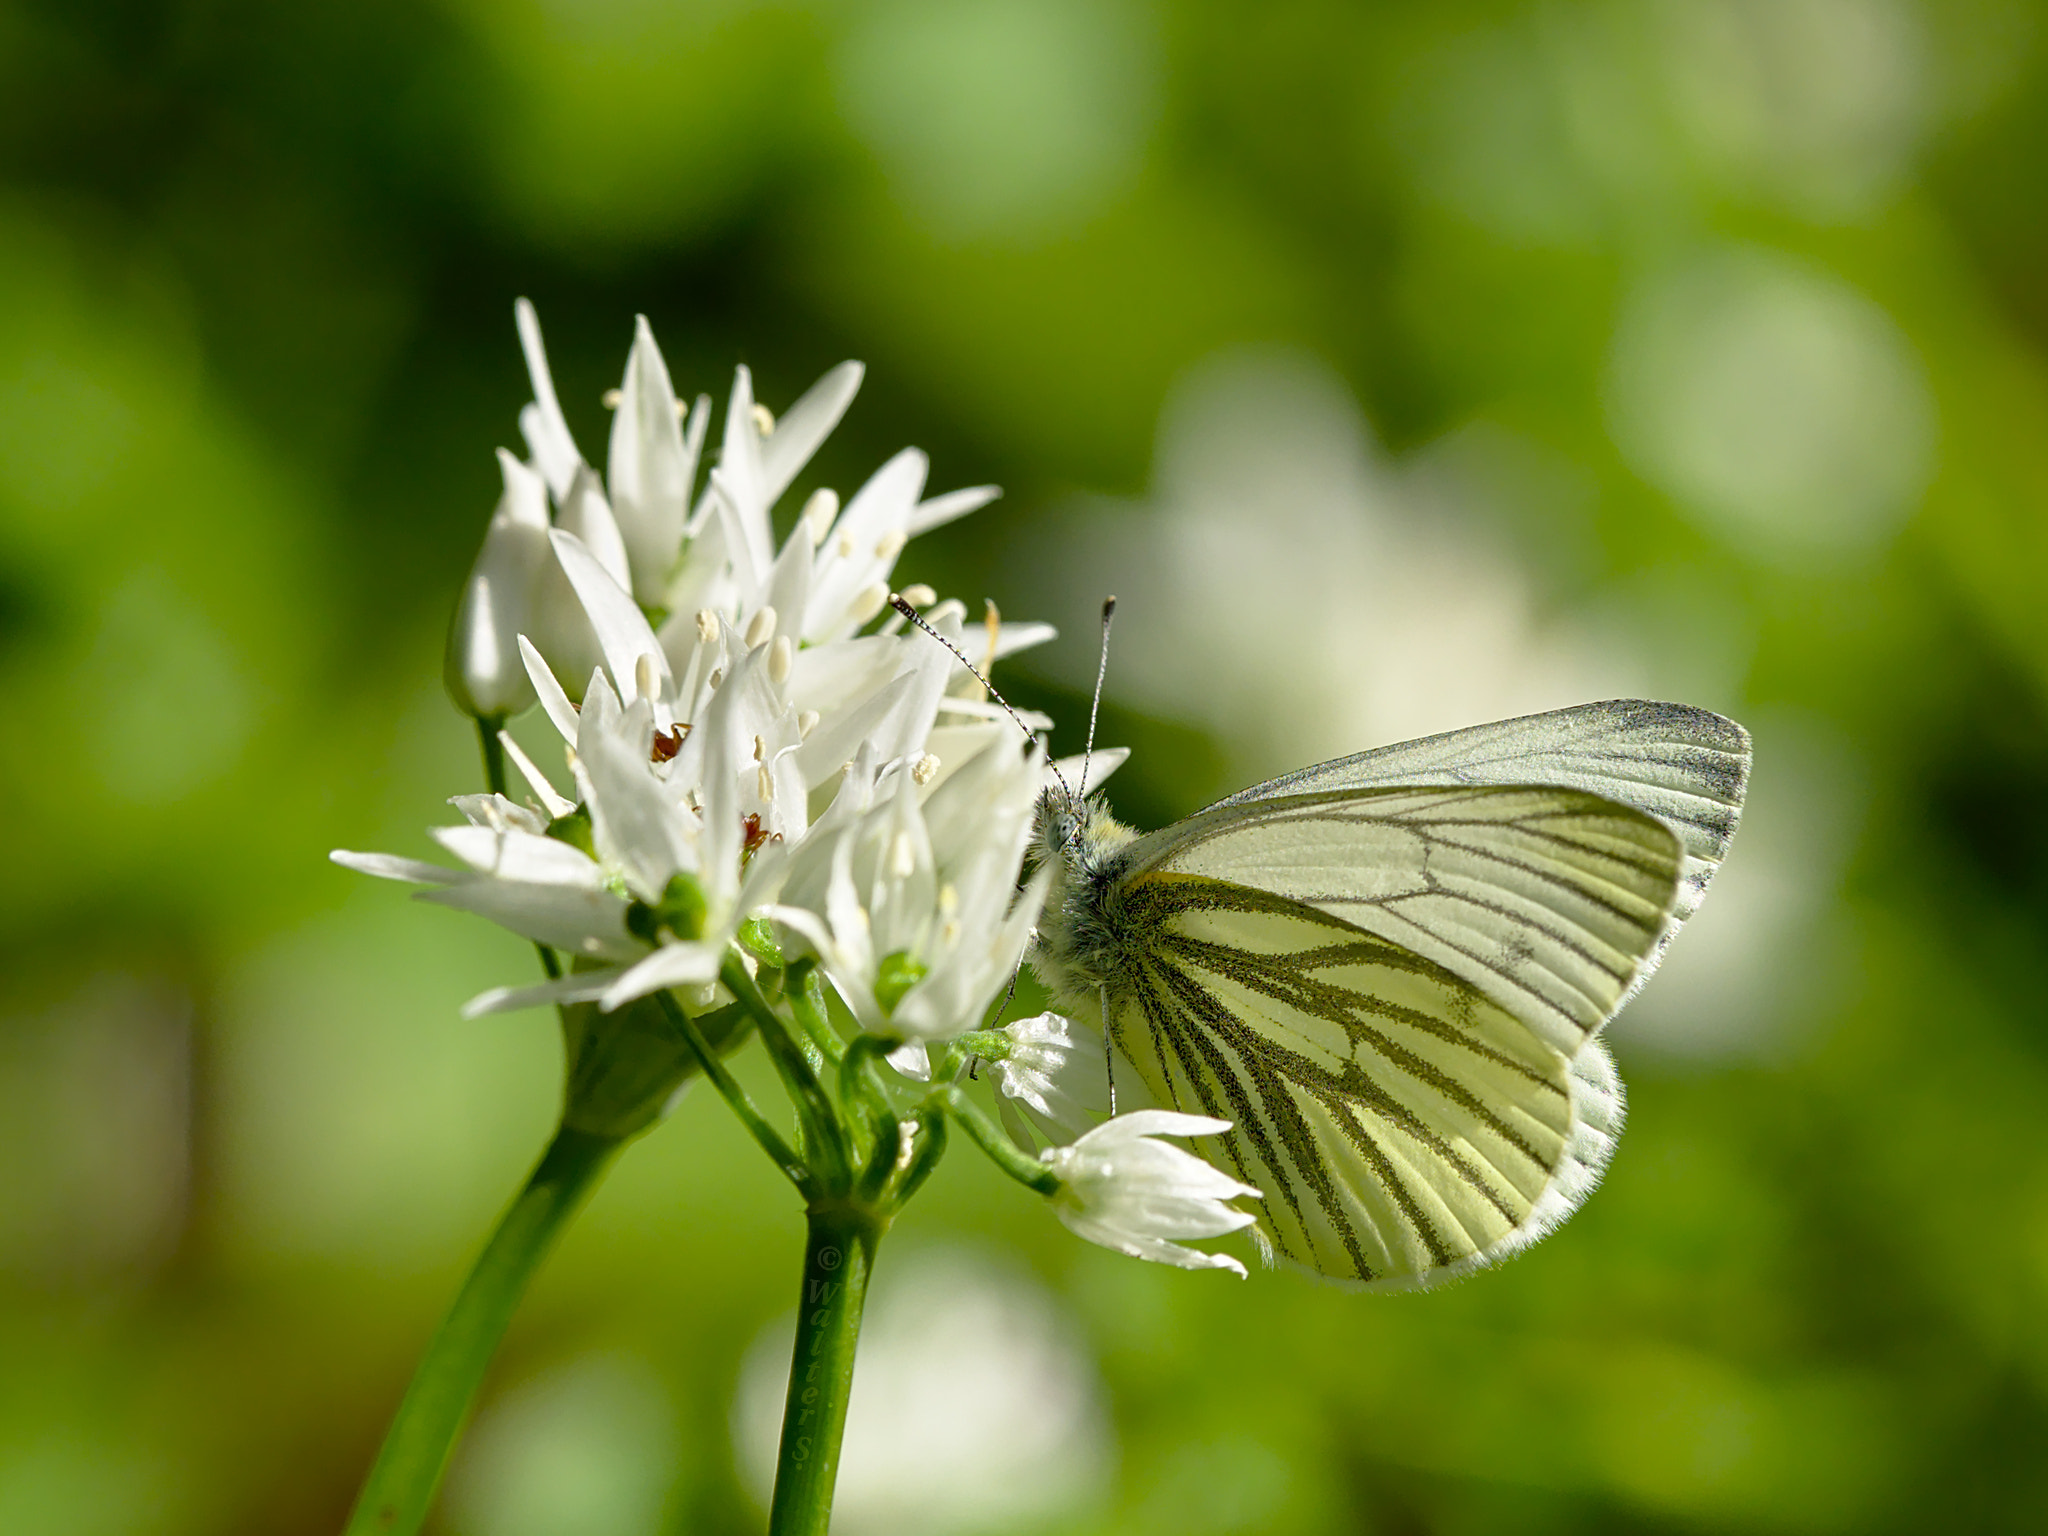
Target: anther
(902,857)
(924,770)
(644,677)
(611,398)
(806,722)
(765,782)
(890,545)
(760,750)
(707,625)
(761,627)
(781,658)
(764,420)
(870,602)
(819,513)
(918,595)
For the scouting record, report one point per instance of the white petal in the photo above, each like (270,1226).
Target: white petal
(577,921)
(941,510)
(804,426)
(389,866)
(520,856)
(576,987)
(545,428)
(552,698)
(622,629)
(672,965)
(650,468)
(543,791)
(585,513)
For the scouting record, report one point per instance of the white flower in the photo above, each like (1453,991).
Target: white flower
(1120,1188)
(500,601)
(666,881)
(912,908)
(1054,1068)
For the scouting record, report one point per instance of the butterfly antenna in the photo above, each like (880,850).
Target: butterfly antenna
(1095,704)
(902,605)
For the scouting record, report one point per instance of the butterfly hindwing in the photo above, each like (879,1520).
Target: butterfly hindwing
(1392,994)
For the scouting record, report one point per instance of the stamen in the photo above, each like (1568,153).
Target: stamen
(707,625)
(890,545)
(761,627)
(764,777)
(644,678)
(760,750)
(806,723)
(845,546)
(764,420)
(918,595)
(781,658)
(924,770)
(611,399)
(902,857)
(869,603)
(949,899)
(819,513)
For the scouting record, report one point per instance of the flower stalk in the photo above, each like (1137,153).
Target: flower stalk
(839,1256)
(400,1488)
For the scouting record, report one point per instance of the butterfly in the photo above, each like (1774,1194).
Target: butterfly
(1390,972)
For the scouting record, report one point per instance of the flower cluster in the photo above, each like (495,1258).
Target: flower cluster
(763,767)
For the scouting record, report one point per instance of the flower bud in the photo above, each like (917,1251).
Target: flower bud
(484,672)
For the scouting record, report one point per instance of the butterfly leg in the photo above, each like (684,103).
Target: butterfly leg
(1108,1051)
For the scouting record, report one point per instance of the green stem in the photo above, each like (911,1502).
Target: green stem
(401,1484)
(986,1134)
(839,1255)
(779,1151)
(494,753)
(824,1136)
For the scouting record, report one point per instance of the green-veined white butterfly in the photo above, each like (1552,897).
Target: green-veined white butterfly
(1390,971)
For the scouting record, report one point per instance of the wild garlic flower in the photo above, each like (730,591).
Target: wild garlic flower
(1124,1190)
(1052,1067)
(909,901)
(644,877)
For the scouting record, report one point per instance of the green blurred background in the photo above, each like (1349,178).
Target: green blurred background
(1400,365)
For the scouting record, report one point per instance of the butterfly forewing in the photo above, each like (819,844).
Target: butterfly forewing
(1687,767)
(1548,901)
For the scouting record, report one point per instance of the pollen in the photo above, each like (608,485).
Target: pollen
(707,625)
(764,420)
(924,770)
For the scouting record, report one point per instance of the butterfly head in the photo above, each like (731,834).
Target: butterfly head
(1074,832)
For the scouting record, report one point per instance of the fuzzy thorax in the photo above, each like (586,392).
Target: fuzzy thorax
(1082,941)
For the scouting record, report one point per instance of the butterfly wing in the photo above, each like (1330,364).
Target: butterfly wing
(1393,995)
(1687,767)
